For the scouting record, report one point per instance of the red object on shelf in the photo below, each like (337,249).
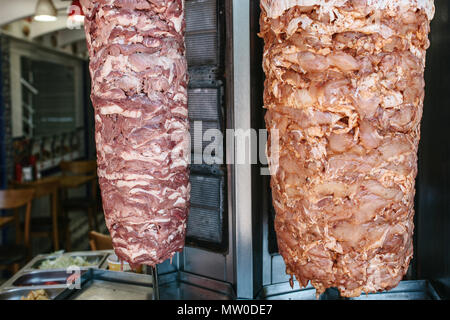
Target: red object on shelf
(18,172)
(76,9)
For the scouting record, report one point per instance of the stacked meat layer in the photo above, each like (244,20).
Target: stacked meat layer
(345,91)
(139,91)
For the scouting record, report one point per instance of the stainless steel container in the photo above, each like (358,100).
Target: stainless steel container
(18,293)
(31,278)
(94,258)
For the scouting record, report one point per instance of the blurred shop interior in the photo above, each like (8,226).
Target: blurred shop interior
(46,130)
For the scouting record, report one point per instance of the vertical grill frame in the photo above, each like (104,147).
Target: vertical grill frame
(196,241)
(209,76)
(219,30)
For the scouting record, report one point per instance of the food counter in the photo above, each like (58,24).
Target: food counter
(86,276)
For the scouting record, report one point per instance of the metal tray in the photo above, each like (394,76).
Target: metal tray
(40,278)
(110,285)
(58,274)
(93,256)
(406,290)
(17,294)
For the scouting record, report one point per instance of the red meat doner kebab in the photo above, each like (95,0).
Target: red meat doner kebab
(139,92)
(345,88)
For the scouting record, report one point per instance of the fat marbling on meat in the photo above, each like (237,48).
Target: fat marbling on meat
(139,92)
(345,89)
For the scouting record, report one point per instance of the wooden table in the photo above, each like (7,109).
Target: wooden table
(64,181)
(50,186)
(75,181)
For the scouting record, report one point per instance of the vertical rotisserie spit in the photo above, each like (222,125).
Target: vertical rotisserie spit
(139,92)
(345,88)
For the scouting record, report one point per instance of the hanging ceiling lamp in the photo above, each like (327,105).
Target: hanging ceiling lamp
(76,13)
(45,11)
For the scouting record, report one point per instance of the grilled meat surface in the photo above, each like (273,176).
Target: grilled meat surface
(139,92)
(345,89)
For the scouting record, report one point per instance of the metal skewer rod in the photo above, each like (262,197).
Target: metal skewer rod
(155,282)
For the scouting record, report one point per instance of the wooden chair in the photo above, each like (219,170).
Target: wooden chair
(13,255)
(100,241)
(48,226)
(88,203)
